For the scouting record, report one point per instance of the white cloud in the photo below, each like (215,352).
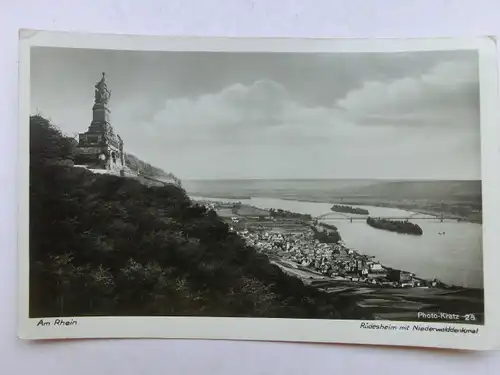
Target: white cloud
(260,112)
(446,95)
(260,131)
(265,112)
(262,103)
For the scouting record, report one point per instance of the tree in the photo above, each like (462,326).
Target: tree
(105,245)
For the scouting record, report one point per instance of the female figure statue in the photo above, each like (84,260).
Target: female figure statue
(102,94)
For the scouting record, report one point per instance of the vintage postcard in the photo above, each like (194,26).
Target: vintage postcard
(313,190)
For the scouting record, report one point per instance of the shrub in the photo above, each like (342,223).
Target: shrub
(107,245)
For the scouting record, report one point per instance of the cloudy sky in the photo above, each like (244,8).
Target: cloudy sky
(227,115)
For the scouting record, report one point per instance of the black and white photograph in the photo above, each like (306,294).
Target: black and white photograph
(325,186)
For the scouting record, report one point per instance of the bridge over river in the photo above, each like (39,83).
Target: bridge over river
(333,215)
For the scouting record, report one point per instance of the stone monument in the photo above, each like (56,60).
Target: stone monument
(99,147)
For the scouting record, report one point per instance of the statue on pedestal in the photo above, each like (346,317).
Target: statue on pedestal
(102,94)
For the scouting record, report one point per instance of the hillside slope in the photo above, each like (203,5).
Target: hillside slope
(104,245)
(146,169)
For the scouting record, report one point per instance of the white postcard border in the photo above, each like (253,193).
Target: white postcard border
(298,330)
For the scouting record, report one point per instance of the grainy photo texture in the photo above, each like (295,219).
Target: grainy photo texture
(337,186)
(324,186)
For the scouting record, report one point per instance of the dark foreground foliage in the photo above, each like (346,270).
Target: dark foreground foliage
(105,245)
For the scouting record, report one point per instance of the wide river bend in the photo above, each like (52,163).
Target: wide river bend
(454,258)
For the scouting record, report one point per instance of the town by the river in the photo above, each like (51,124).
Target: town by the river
(449,251)
(373,273)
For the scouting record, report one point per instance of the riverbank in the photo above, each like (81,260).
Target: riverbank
(377,302)
(473,214)
(456,256)
(444,212)
(290,245)
(312,245)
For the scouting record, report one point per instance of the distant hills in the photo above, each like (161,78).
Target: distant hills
(428,190)
(335,190)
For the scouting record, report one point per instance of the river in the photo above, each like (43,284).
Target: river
(454,258)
